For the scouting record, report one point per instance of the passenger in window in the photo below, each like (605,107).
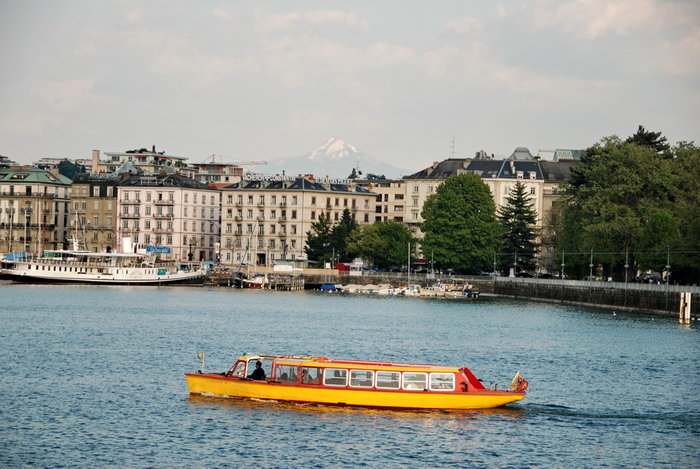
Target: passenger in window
(258,374)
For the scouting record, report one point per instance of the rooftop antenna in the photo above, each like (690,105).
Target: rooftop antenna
(453,147)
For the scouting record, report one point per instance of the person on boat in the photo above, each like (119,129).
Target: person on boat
(258,374)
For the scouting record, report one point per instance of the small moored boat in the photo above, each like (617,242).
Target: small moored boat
(354,383)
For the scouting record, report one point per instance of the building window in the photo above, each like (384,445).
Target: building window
(313,215)
(294,200)
(532,191)
(415,188)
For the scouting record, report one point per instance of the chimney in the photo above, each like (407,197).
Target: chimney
(95,161)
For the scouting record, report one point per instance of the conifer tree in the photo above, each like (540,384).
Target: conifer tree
(518,218)
(319,246)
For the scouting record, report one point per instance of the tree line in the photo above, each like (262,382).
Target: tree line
(630,206)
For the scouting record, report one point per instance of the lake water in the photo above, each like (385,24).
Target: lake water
(93,377)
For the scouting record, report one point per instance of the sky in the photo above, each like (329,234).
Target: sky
(408,82)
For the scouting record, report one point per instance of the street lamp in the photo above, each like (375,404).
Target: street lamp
(562,265)
(590,267)
(668,264)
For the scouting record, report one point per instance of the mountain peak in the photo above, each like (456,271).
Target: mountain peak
(334,149)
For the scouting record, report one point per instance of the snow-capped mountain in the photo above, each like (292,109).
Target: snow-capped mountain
(335,158)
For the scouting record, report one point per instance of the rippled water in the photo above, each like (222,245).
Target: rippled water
(93,376)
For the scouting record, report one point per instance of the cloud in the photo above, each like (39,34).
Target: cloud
(301,61)
(172,54)
(683,57)
(268,23)
(134,16)
(222,14)
(463,25)
(68,95)
(591,19)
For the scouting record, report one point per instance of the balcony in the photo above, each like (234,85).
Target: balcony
(130,215)
(130,202)
(163,215)
(282,219)
(238,218)
(164,202)
(283,204)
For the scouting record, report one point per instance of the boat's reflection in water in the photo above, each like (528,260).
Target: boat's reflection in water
(325,412)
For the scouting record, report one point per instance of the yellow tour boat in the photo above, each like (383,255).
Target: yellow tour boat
(373,384)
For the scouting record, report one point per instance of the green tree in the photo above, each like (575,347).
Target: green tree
(518,218)
(340,236)
(653,140)
(685,266)
(319,246)
(460,225)
(384,243)
(609,200)
(657,235)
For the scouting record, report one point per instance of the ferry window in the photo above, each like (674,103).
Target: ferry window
(388,379)
(239,370)
(286,374)
(442,381)
(361,378)
(266,366)
(335,378)
(415,381)
(311,375)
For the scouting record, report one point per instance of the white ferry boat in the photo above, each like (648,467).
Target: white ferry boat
(76,266)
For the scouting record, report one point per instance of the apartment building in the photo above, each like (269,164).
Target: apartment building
(391,197)
(93,205)
(172,215)
(265,220)
(33,210)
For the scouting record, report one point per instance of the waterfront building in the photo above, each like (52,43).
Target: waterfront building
(33,209)
(265,220)
(170,214)
(93,204)
(541,179)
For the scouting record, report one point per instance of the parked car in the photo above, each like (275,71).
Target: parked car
(524,274)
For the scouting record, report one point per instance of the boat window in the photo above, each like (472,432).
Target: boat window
(266,365)
(286,373)
(335,378)
(388,379)
(415,381)
(311,375)
(239,370)
(361,378)
(442,381)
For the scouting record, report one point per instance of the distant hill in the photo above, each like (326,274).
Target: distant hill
(335,159)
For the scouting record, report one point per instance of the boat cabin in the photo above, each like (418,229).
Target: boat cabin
(353,374)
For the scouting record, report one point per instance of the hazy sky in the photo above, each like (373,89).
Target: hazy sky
(253,80)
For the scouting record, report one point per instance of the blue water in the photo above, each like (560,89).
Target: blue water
(93,377)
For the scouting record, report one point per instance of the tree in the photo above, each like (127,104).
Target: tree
(384,243)
(685,266)
(461,229)
(318,240)
(340,235)
(610,198)
(653,140)
(518,219)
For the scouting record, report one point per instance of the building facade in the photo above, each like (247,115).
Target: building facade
(93,204)
(172,215)
(33,210)
(266,220)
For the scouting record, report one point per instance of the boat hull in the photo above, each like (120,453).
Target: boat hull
(103,279)
(219,385)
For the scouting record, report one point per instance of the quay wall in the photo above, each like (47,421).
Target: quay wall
(641,297)
(652,298)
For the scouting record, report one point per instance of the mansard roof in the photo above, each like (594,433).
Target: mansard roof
(297,184)
(32,175)
(522,153)
(162,180)
(441,169)
(561,154)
